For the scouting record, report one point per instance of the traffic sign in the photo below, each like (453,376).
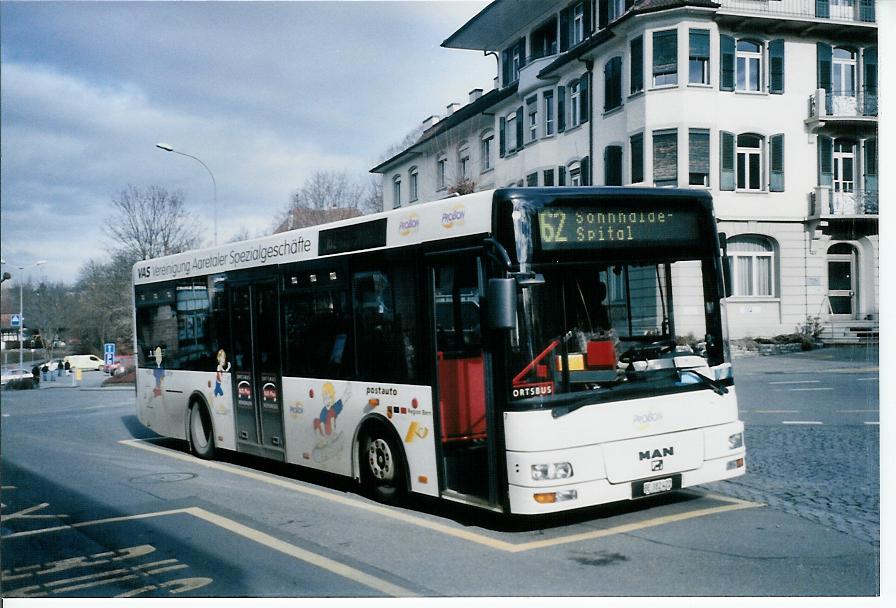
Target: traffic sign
(16,320)
(109,352)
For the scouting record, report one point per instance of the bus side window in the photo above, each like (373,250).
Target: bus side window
(317,334)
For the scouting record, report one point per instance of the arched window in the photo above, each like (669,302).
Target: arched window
(396,192)
(749,65)
(486,150)
(844,72)
(441,172)
(752,260)
(749,161)
(412,184)
(463,161)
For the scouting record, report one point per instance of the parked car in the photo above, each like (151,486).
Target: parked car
(119,364)
(9,375)
(84,362)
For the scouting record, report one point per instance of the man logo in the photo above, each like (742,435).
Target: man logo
(656,465)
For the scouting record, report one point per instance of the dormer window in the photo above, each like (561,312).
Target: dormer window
(544,39)
(513,59)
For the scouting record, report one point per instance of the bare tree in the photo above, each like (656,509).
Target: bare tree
(103,312)
(326,196)
(51,309)
(150,222)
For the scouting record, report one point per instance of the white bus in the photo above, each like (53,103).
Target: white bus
(522,350)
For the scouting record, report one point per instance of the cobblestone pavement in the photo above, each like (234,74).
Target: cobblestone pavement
(829,475)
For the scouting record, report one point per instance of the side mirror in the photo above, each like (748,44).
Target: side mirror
(501,303)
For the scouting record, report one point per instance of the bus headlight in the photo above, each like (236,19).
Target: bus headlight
(557,470)
(735,441)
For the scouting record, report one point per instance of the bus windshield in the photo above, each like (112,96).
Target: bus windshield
(608,331)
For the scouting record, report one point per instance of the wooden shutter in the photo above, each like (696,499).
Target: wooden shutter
(776,163)
(665,51)
(585,165)
(637,149)
(561,175)
(776,66)
(869,166)
(825,66)
(519,128)
(505,67)
(583,99)
(726,64)
(502,137)
(869,81)
(561,109)
(825,161)
(822,8)
(637,65)
(564,30)
(603,10)
(866,10)
(613,166)
(727,153)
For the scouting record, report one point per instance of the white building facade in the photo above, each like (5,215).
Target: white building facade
(771,105)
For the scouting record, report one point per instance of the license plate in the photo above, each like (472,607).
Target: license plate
(655,486)
(660,485)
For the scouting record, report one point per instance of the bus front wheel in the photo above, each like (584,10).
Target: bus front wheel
(202,437)
(382,466)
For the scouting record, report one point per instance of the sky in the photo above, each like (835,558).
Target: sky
(265,94)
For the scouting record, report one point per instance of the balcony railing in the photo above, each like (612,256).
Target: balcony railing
(862,11)
(825,202)
(844,104)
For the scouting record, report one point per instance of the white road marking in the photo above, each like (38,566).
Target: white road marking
(796,382)
(874,423)
(776,411)
(733,504)
(815,422)
(236,528)
(792,390)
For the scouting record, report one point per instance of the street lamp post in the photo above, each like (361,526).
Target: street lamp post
(170,148)
(21,313)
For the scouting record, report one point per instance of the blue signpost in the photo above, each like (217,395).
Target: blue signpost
(109,353)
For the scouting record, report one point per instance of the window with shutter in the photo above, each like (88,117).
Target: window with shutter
(665,58)
(749,65)
(502,137)
(822,8)
(749,162)
(561,175)
(825,66)
(869,167)
(665,158)
(520,128)
(698,157)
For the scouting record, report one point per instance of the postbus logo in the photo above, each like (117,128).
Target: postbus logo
(455,216)
(410,224)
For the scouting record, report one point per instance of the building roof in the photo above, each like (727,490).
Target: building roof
(489,29)
(465,113)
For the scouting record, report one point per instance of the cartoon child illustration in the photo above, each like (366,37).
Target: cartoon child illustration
(223,366)
(329,441)
(159,372)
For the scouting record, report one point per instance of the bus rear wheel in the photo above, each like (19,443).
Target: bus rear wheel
(202,437)
(382,466)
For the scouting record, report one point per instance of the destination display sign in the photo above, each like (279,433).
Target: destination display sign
(590,228)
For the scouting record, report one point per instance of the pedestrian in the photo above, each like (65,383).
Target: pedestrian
(60,368)
(44,371)
(68,368)
(35,373)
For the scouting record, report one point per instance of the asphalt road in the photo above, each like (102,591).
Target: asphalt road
(93,505)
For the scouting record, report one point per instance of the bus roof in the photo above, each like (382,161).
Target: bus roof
(443,219)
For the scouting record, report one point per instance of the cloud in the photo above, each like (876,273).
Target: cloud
(264,93)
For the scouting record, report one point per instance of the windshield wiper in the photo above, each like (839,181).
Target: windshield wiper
(717,387)
(563,410)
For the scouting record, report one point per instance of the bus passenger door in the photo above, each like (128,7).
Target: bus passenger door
(256,369)
(462,382)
